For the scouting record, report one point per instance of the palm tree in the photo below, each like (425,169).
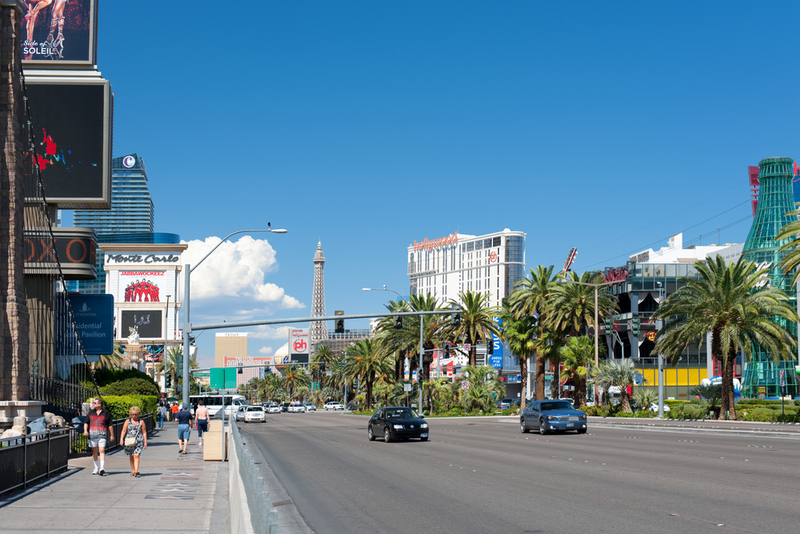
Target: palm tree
(399,341)
(432,327)
(532,298)
(110,361)
(477,321)
(621,373)
(295,377)
(575,355)
(484,388)
(791,260)
(573,304)
(726,301)
(172,364)
(270,385)
(520,334)
(366,360)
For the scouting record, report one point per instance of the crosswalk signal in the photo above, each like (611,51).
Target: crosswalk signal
(398,322)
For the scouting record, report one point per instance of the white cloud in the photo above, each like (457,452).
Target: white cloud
(270,332)
(266,350)
(236,269)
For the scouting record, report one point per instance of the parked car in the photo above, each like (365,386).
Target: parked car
(397,422)
(310,407)
(274,408)
(333,405)
(504,404)
(285,406)
(654,407)
(552,416)
(255,413)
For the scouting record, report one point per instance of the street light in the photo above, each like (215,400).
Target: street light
(596,326)
(166,337)
(421,342)
(187,325)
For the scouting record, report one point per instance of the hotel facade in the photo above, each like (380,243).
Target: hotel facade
(490,264)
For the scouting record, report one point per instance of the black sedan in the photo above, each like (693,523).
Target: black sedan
(397,422)
(552,416)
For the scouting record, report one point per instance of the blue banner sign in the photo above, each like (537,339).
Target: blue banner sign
(94,317)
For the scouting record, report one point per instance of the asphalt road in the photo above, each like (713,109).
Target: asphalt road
(483,475)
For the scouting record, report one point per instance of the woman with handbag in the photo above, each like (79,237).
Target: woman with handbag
(134,438)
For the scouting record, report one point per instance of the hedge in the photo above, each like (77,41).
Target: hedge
(131,386)
(120,405)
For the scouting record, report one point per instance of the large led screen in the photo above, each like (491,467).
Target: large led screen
(148,322)
(59,32)
(71,124)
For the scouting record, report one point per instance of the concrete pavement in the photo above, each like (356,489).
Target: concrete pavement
(175,493)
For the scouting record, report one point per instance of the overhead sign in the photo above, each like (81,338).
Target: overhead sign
(94,317)
(222,378)
(59,33)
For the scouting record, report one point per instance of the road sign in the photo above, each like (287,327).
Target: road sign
(222,378)
(783,378)
(465,384)
(406,387)
(201,374)
(467,347)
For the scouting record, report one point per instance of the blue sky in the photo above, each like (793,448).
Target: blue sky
(606,126)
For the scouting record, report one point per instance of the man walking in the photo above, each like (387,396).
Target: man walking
(99,431)
(184,419)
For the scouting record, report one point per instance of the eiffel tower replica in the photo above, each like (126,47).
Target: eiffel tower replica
(775,201)
(319,330)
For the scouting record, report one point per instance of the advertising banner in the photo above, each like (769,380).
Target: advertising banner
(148,322)
(141,286)
(59,33)
(299,342)
(94,317)
(71,123)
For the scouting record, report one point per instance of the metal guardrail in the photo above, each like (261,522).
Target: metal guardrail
(26,459)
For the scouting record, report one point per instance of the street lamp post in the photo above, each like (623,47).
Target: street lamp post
(187,325)
(166,338)
(421,341)
(596,326)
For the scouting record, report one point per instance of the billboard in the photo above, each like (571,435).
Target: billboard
(60,33)
(141,286)
(299,344)
(148,322)
(71,126)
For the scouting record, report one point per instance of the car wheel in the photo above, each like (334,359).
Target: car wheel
(542,427)
(423,439)
(370,435)
(387,436)
(522,428)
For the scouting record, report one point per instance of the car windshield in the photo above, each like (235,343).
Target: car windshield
(400,413)
(556,405)
(255,409)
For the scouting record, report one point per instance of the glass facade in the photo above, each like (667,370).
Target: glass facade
(131,206)
(775,201)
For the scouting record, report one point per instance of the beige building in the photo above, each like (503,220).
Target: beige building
(229,345)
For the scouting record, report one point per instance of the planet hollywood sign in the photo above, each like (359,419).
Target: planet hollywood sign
(428,244)
(112,259)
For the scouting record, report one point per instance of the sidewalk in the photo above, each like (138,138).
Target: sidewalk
(175,493)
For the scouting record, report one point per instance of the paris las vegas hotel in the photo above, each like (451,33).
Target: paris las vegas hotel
(490,264)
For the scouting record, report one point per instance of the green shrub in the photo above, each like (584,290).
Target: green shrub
(623,414)
(131,386)
(645,414)
(120,406)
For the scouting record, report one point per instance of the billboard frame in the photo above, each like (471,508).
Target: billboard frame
(104,200)
(60,64)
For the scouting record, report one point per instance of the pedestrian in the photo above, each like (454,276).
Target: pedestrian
(162,415)
(134,438)
(100,432)
(184,419)
(201,412)
(174,410)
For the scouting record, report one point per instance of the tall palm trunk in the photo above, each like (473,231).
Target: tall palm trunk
(579,382)
(728,407)
(539,377)
(523,369)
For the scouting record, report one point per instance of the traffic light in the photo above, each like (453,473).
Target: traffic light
(339,329)
(609,323)
(455,319)
(168,381)
(446,349)
(398,322)
(490,346)
(635,326)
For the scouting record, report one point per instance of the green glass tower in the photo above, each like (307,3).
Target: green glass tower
(775,201)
